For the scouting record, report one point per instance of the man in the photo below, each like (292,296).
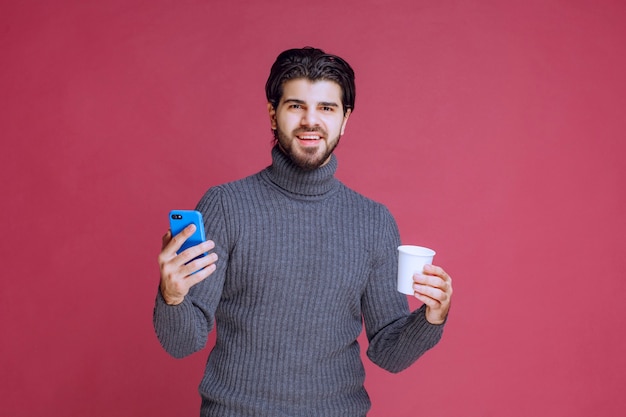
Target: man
(298,263)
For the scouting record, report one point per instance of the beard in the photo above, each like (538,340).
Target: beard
(307,159)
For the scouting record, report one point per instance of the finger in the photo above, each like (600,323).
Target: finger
(430,280)
(430,302)
(433,281)
(165,255)
(193,252)
(200,275)
(436,271)
(177,241)
(198,264)
(166,239)
(433,293)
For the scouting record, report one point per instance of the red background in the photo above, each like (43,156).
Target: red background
(494,132)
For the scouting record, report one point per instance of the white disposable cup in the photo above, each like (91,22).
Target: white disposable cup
(411,260)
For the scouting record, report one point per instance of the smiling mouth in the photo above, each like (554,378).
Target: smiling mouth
(309,136)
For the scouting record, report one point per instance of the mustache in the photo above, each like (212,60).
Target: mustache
(319,130)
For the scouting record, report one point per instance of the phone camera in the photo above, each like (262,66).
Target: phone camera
(177,216)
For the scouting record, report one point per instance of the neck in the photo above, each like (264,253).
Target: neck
(295,180)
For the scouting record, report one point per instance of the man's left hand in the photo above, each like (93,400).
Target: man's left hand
(434,288)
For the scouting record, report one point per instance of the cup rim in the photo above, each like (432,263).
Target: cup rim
(416,250)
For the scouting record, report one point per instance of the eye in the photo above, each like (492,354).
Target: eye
(328,108)
(295,106)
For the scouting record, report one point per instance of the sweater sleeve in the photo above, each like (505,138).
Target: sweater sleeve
(396,337)
(184,328)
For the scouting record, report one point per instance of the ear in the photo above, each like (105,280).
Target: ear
(272,113)
(345,121)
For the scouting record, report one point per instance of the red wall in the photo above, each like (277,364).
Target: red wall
(494,131)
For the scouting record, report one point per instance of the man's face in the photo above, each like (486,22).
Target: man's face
(309,121)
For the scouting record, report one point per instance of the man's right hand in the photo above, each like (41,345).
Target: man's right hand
(177,276)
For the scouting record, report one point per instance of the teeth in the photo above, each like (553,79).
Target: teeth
(310,137)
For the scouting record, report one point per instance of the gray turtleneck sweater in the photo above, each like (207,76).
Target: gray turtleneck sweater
(303,262)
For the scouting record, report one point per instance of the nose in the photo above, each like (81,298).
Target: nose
(310,118)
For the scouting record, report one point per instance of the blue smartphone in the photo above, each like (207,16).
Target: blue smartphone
(179,219)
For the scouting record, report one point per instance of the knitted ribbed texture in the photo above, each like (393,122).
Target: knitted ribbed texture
(303,261)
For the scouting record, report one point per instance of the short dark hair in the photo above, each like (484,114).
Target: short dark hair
(312,64)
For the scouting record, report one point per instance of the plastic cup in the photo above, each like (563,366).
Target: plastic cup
(411,260)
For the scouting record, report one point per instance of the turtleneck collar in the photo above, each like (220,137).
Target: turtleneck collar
(294,180)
